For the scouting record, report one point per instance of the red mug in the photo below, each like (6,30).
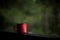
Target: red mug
(22,28)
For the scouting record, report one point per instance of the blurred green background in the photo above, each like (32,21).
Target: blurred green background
(42,16)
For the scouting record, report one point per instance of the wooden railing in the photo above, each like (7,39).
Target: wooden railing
(25,36)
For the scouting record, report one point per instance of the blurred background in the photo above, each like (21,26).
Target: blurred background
(42,16)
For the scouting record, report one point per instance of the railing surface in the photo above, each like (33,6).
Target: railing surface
(7,35)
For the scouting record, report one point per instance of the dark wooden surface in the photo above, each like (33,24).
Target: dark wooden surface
(9,35)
